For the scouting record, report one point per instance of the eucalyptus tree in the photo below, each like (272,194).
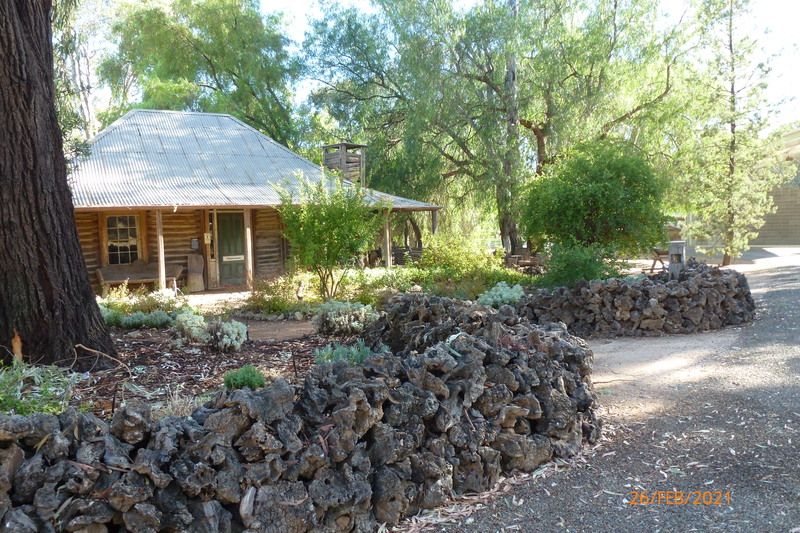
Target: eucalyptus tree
(488,97)
(47,308)
(736,171)
(206,55)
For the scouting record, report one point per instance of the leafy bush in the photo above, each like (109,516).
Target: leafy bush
(122,299)
(369,285)
(134,321)
(343,318)
(218,335)
(328,225)
(453,252)
(130,310)
(354,355)
(112,317)
(602,193)
(569,264)
(226,336)
(279,295)
(501,294)
(158,319)
(192,327)
(115,318)
(247,376)
(26,389)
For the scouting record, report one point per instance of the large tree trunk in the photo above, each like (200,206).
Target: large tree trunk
(506,190)
(45,294)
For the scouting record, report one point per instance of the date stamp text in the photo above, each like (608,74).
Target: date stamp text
(677,497)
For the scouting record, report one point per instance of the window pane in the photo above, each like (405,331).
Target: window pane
(123,235)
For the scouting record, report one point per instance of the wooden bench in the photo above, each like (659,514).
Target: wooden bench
(659,254)
(137,273)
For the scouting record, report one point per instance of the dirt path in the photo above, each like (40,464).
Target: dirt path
(715,416)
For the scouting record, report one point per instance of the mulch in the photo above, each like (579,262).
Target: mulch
(154,369)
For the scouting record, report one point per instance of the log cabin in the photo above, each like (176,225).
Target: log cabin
(172,189)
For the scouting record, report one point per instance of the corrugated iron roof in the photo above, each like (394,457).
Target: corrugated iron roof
(153,158)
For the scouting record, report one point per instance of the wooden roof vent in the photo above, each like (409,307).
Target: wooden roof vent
(348,158)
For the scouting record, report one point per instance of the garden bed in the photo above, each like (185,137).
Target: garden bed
(169,378)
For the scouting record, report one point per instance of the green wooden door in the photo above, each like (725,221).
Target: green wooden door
(230,232)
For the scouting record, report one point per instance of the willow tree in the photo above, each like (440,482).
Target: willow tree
(47,309)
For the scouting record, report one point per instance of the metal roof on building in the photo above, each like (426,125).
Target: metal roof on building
(153,158)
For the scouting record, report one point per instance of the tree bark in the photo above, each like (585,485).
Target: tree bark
(729,232)
(508,183)
(417,231)
(45,294)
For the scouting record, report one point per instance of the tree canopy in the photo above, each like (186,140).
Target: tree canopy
(459,106)
(731,191)
(484,99)
(328,225)
(601,193)
(208,55)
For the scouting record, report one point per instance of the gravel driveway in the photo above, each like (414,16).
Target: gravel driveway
(712,420)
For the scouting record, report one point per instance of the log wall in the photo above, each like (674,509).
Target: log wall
(89,235)
(269,249)
(179,230)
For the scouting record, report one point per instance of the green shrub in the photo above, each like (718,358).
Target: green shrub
(247,376)
(123,308)
(192,327)
(369,285)
(26,389)
(354,355)
(501,294)
(279,295)
(328,224)
(602,193)
(569,264)
(343,318)
(218,335)
(134,321)
(162,300)
(226,336)
(454,253)
(158,319)
(112,317)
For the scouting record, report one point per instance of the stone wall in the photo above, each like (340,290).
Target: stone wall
(704,298)
(467,394)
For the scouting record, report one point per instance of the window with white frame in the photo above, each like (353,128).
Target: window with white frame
(123,239)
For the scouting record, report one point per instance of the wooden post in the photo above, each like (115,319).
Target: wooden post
(434,221)
(363,166)
(677,260)
(248,248)
(387,240)
(162,265)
